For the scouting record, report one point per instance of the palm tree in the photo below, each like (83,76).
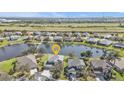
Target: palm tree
(112,57)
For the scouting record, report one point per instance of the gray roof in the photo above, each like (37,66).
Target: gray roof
(99,64)
(4,76)
(26,60)
(120,63)
(75,62)
(105,42)
(92,40)
(120,45)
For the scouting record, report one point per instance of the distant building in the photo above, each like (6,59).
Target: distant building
(1,39)
(86,34)
(58,39)
(68,39)
(119,45)
(92,40)
(107,36)
(104,42)
(78,39)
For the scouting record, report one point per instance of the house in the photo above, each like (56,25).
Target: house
(104,42)
(6,34)
(67,34)
(58,39)
(118,45)
(26,63)
(92,40)
(18,33)
(37,37)
(46,38)
(75,67)
(117,38)
(44,76)
(72,74)
(107,36)
(58,34)
(53,34)
(97,35)
(1,39)
(76,63)
(78,39)
(37,33)
(99,69)
(68,39)
(77,34)
(29,33)
(54,62)
(119,64)
(47,74)
(14,37)
(99,65)
(86,34)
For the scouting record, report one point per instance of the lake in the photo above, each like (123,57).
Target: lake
(18,50)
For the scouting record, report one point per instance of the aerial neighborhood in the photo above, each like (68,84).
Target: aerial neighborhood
(89,50)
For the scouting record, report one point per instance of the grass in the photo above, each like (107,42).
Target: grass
(118,76)
(4,43)
(41,61)
(6,66)
(83,27)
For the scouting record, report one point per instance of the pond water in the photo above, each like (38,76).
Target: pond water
(17,50)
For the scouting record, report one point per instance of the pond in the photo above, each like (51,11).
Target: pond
(18,50)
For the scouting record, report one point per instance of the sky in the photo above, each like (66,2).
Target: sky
(61,14)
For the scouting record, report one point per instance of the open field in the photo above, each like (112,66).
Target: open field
(81,27)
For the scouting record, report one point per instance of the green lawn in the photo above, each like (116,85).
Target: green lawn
(118,76)
(4,43)
(89,27)
(6,66)
(41,61)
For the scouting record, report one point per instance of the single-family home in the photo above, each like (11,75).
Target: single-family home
(1,39)
(37,33)
(119,45)
(78,39)
(97,35)
(75,67)
(58,39)
(119,64)
(18,33)
(76,63)
(27,63)
(104,42)
(92,40)
(85,34)
(68,39)
(54,62)
(100,67)
(107,36)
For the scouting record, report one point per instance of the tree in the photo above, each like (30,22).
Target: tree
(112,57)
(86,54)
